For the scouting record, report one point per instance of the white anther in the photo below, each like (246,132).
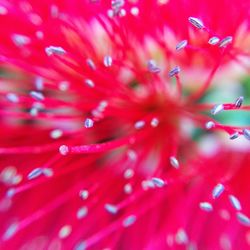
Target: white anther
(158,182)
(218,190)
(91,64)
(53,50)
(37,95)
(139,124)
(181,45)
(64,150)
(48,172)
(56,133)
(213,40)
(35,173)
(63,86)
(174,162)
(217,109)
(239,101)
(111,208)
(235,202)
(11,230)
(246,133)
(132,155)
(128,188)
(12,97)
(234,136)
(176,70)
(88,123)
(129,173)
(84,194)
(117,4)
(210,124)
(39,83)
(89,83)
(224,42)
(107,61)
(243,219)
(82,212)
(196,22)
(65,231)
(20,40)
(134,11)
(154,122)
(129,221)
(181,237)
(152,67)
(206,206)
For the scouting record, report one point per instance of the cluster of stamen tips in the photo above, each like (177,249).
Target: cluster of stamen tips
(217,192)
(222,43)
(234,133)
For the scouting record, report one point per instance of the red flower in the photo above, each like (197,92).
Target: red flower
(103,125)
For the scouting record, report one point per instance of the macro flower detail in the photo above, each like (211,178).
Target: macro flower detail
(116,125)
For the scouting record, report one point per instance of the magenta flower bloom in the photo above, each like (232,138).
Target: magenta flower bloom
(109,139)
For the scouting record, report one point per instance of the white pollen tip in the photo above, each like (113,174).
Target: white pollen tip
(11,192)
(218,190)
(243,219)
(11,230)
(56,133)
(181,237)
(196,22)
(206,206)
(82,212)
(129,173)
(213,40)
(139,124)
(239,101)
(35,173)
(37,95)
(48,172)
(111,208)
(54,50)
(64,150)
(63,86)
(80,246)
(91,64)
(84,194)
(217,109)
(20,40)
(174,162)
(89,83)
(175,71)
(154,122)
(235,202)
(152,67)
(181,45)
(128,221)
(134,11)
(158,182)
(210,125)
(234,136)
(88,123)
(107,61)
(128,188)
(246,133)
(225,41)
(65,231)
(11,97)
(39,83)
